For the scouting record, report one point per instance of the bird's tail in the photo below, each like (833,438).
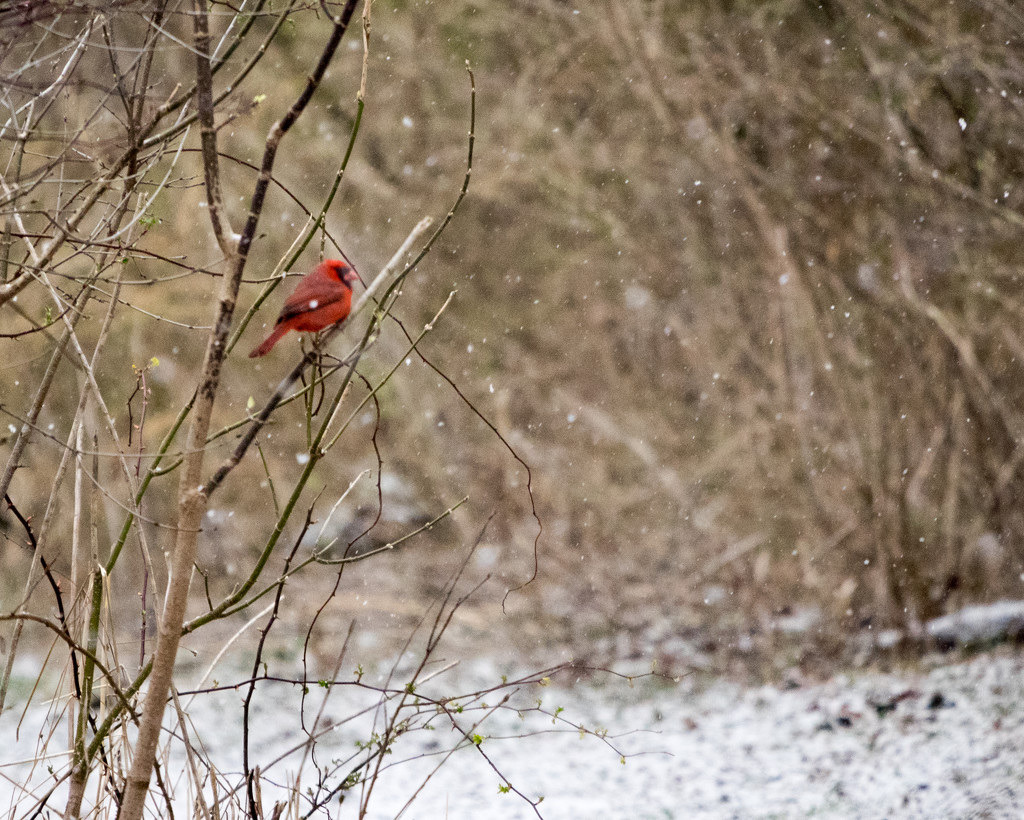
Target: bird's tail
(270,341)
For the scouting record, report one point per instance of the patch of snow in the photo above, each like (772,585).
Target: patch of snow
(984,623)
(940,743)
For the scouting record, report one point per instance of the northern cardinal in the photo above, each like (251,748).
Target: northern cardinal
(322,297)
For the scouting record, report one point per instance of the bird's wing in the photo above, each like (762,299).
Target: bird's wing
(305,294)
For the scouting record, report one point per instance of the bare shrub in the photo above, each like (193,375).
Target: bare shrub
(131,210)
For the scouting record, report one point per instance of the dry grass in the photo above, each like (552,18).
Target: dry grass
(746,275)
(738,281)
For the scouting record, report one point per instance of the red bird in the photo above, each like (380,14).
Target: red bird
(322,298)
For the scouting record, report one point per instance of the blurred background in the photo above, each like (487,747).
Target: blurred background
(740,282)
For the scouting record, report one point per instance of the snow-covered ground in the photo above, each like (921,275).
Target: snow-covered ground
(948,743)
(939,742)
